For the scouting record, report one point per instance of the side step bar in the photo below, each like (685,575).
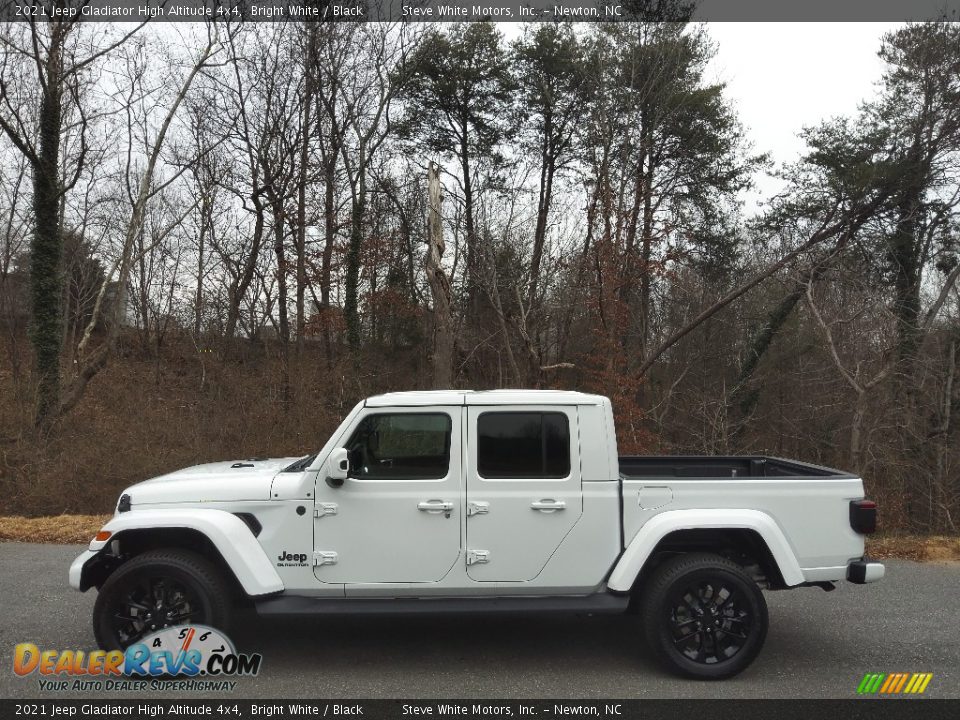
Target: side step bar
(599,603)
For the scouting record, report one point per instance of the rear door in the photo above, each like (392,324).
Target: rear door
(523,488)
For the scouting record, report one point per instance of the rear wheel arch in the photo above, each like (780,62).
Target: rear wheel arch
(743,546)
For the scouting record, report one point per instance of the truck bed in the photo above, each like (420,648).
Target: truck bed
(704,466)
(810,504)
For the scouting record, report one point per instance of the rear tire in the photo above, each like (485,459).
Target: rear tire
(703,616)
(157,589)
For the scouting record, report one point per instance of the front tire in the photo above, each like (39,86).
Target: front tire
(704,616)
(158,589)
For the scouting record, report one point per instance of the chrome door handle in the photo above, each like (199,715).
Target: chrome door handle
(435,506)
(548,505)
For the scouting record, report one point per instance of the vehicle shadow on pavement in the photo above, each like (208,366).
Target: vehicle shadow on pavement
(533,639)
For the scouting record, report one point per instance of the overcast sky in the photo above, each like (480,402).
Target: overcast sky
(785,76)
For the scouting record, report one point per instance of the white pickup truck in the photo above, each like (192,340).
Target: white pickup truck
(495,501)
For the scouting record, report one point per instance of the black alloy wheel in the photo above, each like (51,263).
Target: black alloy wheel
(158,589)
(704,616)
(152,604)
(708,624)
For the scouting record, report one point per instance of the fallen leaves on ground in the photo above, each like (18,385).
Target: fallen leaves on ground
(60,529)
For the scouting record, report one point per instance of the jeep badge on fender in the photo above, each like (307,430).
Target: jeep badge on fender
(291,559)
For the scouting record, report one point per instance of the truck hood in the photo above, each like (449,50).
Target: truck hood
(212,482)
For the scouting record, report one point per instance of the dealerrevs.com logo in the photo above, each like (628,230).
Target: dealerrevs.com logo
(183,657)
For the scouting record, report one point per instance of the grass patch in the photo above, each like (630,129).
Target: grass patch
(913,547)
(60,529)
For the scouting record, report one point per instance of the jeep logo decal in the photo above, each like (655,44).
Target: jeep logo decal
(286,559)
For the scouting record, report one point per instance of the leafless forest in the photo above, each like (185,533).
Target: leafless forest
(215,239)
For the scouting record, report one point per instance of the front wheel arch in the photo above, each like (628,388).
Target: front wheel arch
(128,544)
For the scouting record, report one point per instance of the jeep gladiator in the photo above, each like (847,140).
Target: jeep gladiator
(493,501)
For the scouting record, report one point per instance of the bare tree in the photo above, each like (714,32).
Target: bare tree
(89,363)
(32,111)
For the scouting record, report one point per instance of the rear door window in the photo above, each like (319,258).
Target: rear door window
(520,445)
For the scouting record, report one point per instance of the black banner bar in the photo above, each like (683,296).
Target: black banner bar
(232,709)
(474,10)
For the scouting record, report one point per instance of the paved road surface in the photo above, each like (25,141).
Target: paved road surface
(819,644)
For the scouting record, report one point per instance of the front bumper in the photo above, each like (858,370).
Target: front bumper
(865,571)
(76,570)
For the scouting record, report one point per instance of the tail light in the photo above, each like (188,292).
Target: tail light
(863,516)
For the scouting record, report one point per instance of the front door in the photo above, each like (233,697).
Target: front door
(523,489)
(396,519)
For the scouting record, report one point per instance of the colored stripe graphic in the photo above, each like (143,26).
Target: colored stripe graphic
(894,683)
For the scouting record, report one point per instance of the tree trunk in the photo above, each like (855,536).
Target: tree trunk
(547,169)
(241,284)
(326,262)
(471,231)
(856,433)
(443,339)
(351,308)
(906,264)
(205,222)
(283,315)
(46,278)
(301,229)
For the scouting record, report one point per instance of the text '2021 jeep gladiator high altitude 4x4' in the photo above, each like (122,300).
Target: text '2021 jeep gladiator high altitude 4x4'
(499,501)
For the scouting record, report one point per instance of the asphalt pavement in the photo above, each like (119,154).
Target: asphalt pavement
(820,644)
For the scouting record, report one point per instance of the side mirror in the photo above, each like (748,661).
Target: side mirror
(338,467)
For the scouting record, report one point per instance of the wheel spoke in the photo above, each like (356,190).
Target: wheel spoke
(694,608)
(164,592)
(701,651)
(727,600)
(733,634)
(710,620)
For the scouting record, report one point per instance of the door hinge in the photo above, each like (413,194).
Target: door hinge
(321,509)
(478,557)
(324,557)
(477,507)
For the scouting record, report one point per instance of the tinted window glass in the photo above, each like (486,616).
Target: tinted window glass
(523,445)
(401,446)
